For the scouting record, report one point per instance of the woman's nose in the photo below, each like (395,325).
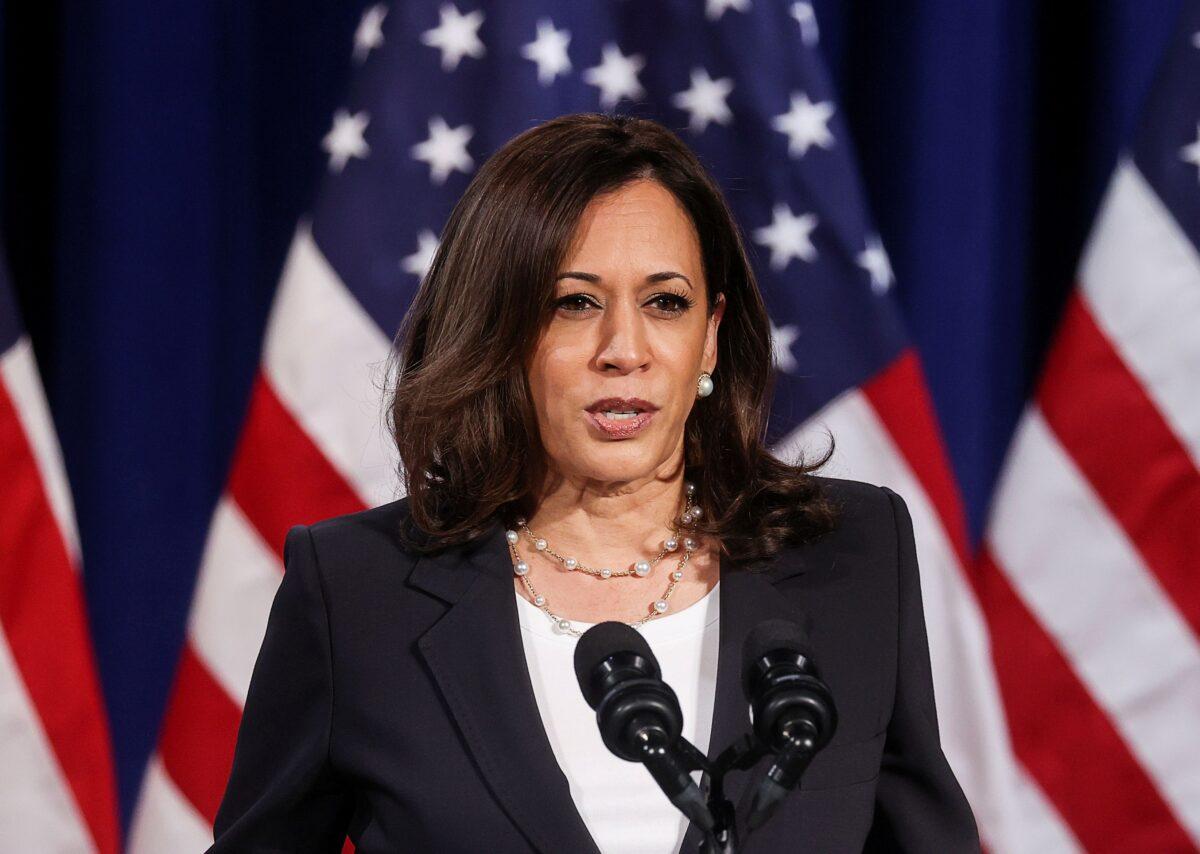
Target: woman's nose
(624,343)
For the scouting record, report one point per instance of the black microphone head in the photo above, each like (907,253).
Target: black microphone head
(765,638)
(599,643)
(638,714)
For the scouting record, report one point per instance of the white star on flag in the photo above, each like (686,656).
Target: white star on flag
(616,76)
(549,51)
(456,36)
(420,261)
(782,338)
(345,139)
(810,33)
(705,100)
(1191,153)
(875,261)
(788,236)
(445,150)
(806,124)
(714,9)
(369,34)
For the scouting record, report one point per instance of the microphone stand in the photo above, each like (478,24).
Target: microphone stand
(742,755)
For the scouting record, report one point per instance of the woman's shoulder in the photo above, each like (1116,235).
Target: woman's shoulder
(866,512)
(361,543)
(382,520)
(869,548)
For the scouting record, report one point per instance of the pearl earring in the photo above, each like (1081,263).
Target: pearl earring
(704,385)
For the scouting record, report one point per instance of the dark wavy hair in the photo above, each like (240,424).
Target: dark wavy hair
(459,406)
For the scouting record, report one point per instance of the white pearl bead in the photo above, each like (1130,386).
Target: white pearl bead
(689,544)
(704,386)
(671,544)
(540,545)
(606,573)
(676,575)
(564,625)
(642,568)
(539,600)
(661,606)
(570,563)
(521,567)
(690,487)
(512,536)
(697,512)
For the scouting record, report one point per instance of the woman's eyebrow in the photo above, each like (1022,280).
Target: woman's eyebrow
(653,277)
(668,274)
(575,274)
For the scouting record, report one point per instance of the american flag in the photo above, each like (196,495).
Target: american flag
(58,792)
(439,87)
(1090,571)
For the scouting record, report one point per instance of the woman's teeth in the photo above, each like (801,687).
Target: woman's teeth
(620,416)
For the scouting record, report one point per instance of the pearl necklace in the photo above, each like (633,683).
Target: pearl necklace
(640,569)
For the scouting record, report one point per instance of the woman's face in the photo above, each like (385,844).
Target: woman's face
(628,334)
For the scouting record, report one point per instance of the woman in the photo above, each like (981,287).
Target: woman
(579,405)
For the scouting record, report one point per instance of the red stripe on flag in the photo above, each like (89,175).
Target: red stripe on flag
(279,477)
(199,734)
(44,618)
(1134,461)
(1065,739)
(901,399)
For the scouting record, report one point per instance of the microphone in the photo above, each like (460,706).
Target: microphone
(792,709)
(637,712)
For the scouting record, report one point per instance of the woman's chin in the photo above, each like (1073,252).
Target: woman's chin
(612,464)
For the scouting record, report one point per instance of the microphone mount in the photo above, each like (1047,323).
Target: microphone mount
(792,716)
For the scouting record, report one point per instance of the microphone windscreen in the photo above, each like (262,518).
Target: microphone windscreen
(767,637)
(601,641)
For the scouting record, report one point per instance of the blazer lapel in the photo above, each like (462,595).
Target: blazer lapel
(747,598)
(476,656)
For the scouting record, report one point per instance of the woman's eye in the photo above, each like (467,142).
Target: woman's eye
(575,303)
(671,303)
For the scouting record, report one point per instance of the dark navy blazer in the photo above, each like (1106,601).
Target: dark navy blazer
(391,701)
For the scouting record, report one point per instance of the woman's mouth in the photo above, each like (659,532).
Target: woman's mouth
(620,417)
(619,424)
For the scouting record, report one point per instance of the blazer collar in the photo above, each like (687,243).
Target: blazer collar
(476,656)
(747,598)
(487,686)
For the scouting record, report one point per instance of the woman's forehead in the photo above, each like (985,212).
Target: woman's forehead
(643,218)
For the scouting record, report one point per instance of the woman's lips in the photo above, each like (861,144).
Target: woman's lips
(621,428)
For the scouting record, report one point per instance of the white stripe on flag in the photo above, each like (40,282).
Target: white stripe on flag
(970,712)
(1141,276)
(1076,570)
(19,373)
(38,812)
(238,578)
(1042,830)
(164,820)
(325,358)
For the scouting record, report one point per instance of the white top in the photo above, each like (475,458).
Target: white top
(623,808)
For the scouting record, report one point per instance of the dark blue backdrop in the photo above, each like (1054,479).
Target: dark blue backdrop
(156,157)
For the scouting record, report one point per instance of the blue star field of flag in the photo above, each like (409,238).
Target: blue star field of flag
(440,86)
(1167,147)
